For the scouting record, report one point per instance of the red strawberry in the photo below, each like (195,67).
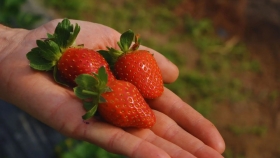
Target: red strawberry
(76,61)
(136,66)
(140,68)
(118,102)
(57,53)
(125,107)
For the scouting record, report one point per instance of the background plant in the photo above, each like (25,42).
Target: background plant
(12,14)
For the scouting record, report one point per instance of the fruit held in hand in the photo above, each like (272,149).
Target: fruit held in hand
(58,53)
(118,102)
(76,61)
(136,66)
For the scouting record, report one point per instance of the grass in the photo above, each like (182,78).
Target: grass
(248,130)
(230,154)
(71,148)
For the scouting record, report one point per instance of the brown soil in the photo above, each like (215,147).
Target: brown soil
(245,19)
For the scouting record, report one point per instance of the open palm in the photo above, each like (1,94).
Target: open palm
(180,131)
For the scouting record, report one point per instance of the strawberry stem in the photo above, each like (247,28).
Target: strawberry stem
(89,92)
(136,44)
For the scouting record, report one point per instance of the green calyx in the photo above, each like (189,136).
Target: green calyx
(48,51)
(89,89)
(127,38)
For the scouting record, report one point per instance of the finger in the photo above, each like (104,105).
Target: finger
(172,149)
(169,130)
(169,71)
(116,140)
(188,119)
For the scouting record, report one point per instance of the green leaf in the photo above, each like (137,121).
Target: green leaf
(88,105)
(37,62)
(73,35)
(57,77)
(62,32)
(107,56)
(90,113)
(102,76)
(125,40)
(49,50)
(65,33)
(86,81)
(50,36)
(102,100)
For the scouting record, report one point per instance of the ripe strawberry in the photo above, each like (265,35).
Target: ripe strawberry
(125,107)
(118,102)
(136,66)
(57,53)
(76,61)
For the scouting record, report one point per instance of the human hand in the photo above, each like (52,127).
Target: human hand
(180,131)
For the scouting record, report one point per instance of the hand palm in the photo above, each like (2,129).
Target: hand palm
(37,93)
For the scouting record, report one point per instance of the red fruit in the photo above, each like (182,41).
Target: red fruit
(58,54)
(76,61)
(118,102)
(125,107)
(140,68)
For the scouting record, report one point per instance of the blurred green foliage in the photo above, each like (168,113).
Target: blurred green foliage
(71,148)
(230,154)
(70,8)
(249,130)
(12,15)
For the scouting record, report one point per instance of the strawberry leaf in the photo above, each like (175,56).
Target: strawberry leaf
(37,62)
(65,33)
(90,113)
(50,36)
(86,81)
(102,100)
(102,76)
(125,40)
(88,105)
(73,35)
(49,50)
(106,56)
(57,77)
(111,56)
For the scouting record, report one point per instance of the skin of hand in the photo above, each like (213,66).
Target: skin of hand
(180,131)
